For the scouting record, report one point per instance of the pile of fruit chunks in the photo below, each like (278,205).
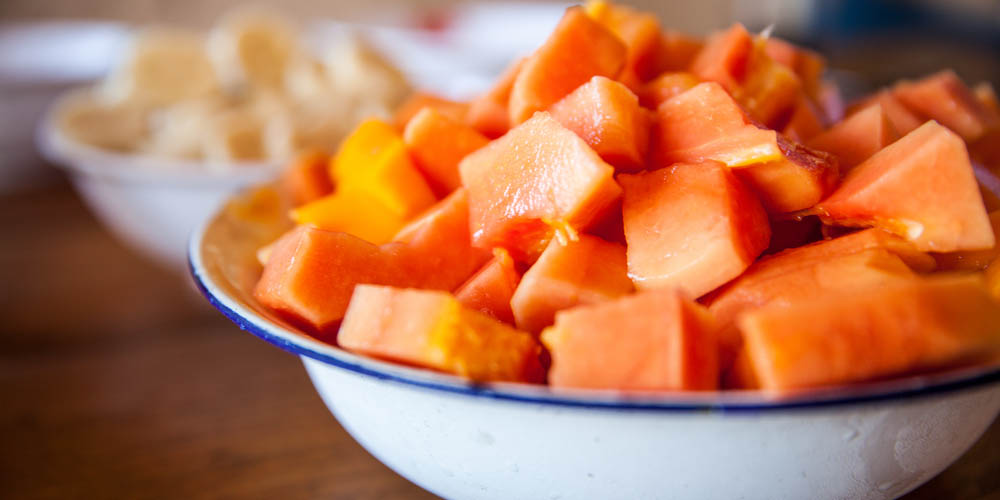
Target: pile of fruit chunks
(634,209)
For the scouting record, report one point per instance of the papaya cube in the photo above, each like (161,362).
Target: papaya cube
(641,34)
(838,273)
(437,143)
(420,100)
(432,330)
(655,340)
(306,177)
(705,123)
(577,50)
(582,271)
(987,97)
(537,177)
(807,65)
(691,226)
(944,98)
(805,122)
(438,251)
(665,86)
(351,211)
(373,159)
(488,113)
(619,132)
(902,119)
(888,330)
(769,90)
(311,273)
(724,57)
(857,138)
(992,275)
(489,290)
(973,260)
(921,187)
(677,51)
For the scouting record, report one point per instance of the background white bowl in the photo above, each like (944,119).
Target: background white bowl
(461,440)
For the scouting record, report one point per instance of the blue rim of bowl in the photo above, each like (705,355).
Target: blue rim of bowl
(717,402)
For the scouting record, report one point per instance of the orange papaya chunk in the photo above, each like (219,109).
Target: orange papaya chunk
(438,250)
(944,98)
(665,86)
(654,340)
(902,119)
(705,123)
(536,179)
(741,375)
(351,211)
(769,90)
(619,133)
(992,275)
(838,273)
(488,113)
(373,159)
(577,50)
(639,31)
(805,122)
(807,64)
(311,273)
(431,329)
(420,100)
(582,271)
(921,187)
(857,138)
(437,143)
(724,57)
(987,97)
(306,177)
(690,226)
(491,288)
(974,260)
(858,336)
(677,51)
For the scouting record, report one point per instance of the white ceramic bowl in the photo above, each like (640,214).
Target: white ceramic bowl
(152,204)
(462,440)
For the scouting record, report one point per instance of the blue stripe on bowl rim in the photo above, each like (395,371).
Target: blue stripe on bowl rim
(717,402)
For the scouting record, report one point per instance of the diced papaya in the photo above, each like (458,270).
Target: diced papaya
(619,133)
(838,273)
(536,179)
(420,100)
(944,98)
(437,143)
(806,121)
(351,211)
(921,187)
(807,65)
(488,113)
(741,375)
(655,340)
(862,335)
(306,177)
(373,159)
(902,119)
(311,274)
(641,34)
(724,57)
(857,138)
(439,253)
(431,329)
(992,275)
(577,50)
(705,123)
(691,226)
(582,271)
(491,288)
(986,151)
(768,91)
(974,260)
(793,233)
(665,86)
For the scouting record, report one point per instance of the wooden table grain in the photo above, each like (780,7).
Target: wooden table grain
(118,381)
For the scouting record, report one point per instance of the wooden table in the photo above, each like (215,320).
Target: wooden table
(117,381)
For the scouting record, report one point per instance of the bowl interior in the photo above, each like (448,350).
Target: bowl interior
(222,259)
